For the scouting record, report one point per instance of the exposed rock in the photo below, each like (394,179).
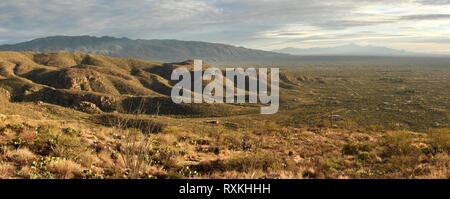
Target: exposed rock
(71,98)
(436,124)
(272,176)
(215,122)
(98,147)
(84,80)
(297,159)
(309,173)
(88,107)
(4,94)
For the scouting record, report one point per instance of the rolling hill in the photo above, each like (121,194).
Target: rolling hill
(96,84)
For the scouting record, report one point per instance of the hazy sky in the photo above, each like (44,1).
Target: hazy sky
(414,25)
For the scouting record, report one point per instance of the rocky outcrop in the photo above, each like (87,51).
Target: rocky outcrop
(71,98)
(88,107)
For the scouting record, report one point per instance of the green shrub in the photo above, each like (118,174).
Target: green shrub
(162,155)
(45,142)
(40,168)
(352,148)
(89,174)
(363,155)
(69,147)
(51,141)
(331,164)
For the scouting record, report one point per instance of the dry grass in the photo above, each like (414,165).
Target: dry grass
(6,170)
(65,169)
(202,150)
(25,172)
(28,135)
(21,156)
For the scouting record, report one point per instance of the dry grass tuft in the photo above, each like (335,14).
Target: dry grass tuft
(6,170)
(21,156)
(65,169)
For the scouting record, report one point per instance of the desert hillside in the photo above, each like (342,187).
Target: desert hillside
(96,84)
(77,115)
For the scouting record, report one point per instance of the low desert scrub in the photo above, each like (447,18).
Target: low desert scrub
(399,143)
(134,154)
(45,142)
(147,126)
(402,153)
(238,142)
(441,168)
(440,140)
(164,156)
(59,143)
(140,152)
(68,146)
(332,164)
(353,148)
(238,175)
(250,162)
(193,148)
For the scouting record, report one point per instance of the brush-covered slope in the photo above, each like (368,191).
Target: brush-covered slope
(97,83)
(163,50)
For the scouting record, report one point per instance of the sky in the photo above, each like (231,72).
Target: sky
(413,25)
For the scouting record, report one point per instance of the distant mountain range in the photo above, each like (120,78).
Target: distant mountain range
(177,51)
(160,50)
(349,50)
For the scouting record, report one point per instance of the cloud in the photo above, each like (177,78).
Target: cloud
(434,2)
(426,17)
(251,23)
(343,24)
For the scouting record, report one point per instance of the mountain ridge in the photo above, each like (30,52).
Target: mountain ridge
(350,50)
(164,50)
